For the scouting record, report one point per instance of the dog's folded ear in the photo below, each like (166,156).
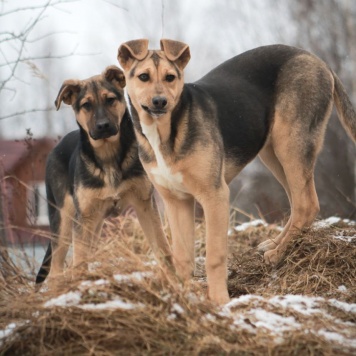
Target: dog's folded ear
(115,74)
(67,92)
(176,51)
(131,50)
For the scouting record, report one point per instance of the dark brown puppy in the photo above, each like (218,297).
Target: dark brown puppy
(95,172)
(272,101)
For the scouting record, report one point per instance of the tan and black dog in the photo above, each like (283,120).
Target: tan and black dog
(95,172)
(272,101)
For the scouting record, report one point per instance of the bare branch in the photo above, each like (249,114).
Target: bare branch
(19,113)
(115,5)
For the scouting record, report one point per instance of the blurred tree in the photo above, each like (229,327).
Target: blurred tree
(334,41)
(327,29)
(13,48)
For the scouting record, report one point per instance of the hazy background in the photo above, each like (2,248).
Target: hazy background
(42,43)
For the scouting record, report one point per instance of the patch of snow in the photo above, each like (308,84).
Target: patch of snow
(200,260)
(301,304)
(346,307)
(135,276)
(250,313)
(332,220)
(349,222)
(339,236)
(117,303)
(210,317)
(338,338)
(326,222)
(253,223)
(150,263)
(65,300)
(171,317)
(177,308)
(98,282)
(273,321)
(73,299)
(10,328)
(93,266)
(242,300)
(342,288)
(7,331)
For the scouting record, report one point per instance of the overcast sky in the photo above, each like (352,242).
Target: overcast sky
(85,35)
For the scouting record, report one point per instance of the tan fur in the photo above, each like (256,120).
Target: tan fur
(65,231)
(179,204)
(203,172)
(82,216)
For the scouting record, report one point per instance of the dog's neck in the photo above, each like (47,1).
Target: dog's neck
(103,151)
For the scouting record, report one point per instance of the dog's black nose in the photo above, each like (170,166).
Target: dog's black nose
(159,102)
(102,125)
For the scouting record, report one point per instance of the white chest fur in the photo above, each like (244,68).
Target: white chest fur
(162,174)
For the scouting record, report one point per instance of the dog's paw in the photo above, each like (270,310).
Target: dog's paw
(267,245)
(219,298)
(271,257)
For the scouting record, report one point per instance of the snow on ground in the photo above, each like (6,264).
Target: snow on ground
(259,317)
(277,316)
(135,276)
(320,224)
(7,331)
(253,223)
(74,298)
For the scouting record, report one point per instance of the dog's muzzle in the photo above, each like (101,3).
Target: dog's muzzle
(158,107)
(103,129)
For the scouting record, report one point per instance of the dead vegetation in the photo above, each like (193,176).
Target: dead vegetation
(127,305)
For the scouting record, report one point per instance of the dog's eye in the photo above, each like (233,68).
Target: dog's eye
(170,78)
(87,106)
(110,101)
(144,77)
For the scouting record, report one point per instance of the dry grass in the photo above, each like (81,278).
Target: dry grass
(159,316)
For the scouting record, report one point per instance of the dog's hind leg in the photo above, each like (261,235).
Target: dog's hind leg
(270,160)
(297,152)
(305,207)
(304,99)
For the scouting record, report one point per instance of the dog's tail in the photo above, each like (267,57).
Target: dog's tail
(46,265)
(347,114)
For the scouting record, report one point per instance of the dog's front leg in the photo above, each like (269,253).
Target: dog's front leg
(180,214)
(61,226)
(148,216)
(85,237)
(215,204)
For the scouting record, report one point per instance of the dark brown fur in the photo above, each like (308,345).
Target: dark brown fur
(273,101)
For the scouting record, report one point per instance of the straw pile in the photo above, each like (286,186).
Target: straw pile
(126,305)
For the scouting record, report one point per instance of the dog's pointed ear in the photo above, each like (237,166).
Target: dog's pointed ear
(131,50)
(67,93)
(176,51)
(115,75)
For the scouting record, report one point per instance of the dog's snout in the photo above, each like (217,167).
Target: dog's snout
(103,128)
(159,102)
(103,125)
